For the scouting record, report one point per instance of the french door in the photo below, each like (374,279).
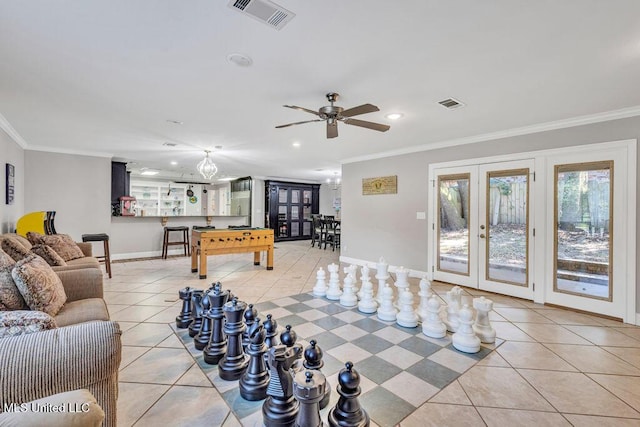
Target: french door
(484,227)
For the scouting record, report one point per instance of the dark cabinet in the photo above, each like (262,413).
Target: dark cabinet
(119,185)
(288,208)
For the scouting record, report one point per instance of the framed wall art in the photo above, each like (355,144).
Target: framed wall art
(10,173)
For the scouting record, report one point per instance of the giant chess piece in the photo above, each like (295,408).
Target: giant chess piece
(465,339)
(432,326)
(334,292)
(348,297)
(364,279)
(320,289)
(271,330)
(367,303)
(203,336)
(402,281)
(348,412)
(196,312)
(407,316)
(255,380)
(424,294)
(250,315)
(234,362)
(184,318)
(482,327)
(217,346)
(309,388)
(288,337)
(313,360)
(352,271)
(280,409)
(454,298)
(382,274)
(387,310)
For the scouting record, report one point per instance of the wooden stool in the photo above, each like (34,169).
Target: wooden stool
(184,242)
(104,238)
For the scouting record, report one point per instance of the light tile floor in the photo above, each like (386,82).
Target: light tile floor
(551,366)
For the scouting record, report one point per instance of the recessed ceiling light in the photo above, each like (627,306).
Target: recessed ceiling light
(149,172)
(394,116)
(175,122)
(174,163)
(296,144)
(240,59)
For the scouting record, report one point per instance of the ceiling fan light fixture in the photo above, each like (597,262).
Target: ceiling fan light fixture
(206,167)
(394,116)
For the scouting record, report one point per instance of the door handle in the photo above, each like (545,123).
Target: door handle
(482,227)
(482,236)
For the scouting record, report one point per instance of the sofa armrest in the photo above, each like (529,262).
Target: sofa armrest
(45,363)
(81,283)
(86,248)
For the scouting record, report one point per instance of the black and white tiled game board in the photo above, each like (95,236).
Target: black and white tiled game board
(400,368)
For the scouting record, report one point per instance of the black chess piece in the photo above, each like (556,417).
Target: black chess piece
(271,330)
(184,318)
(203,336)
(196,312)
(234,362)
(289,337)
(255,380)
(280,409)
(313,360)
(348,412)
(217,346)
(250,315)
(309,388)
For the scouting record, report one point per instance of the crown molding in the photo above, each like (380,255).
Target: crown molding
(69,151)
(525,130)
(13,134)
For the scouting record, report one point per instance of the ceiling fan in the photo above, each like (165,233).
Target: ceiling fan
(333,114)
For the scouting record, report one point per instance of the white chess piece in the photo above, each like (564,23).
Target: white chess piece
(334,292)
(432,326)
(352,271)
(407,316)
(367,303)
(364,277)
(424,294)
(348,297)
(401,279)
(320,289)
(387,311)
(465,339)
(482,327)
(382,274)
(454,297)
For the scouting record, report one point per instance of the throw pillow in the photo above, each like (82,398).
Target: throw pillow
(48,254)
(14,248)
(39,285)
(10,297)
(34,237)
(64,245)
(19,322)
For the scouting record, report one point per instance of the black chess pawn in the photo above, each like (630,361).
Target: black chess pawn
(271,330)
(184,318)
(250,315)
(313,360)
(196,312)
(289,337)
(217,346)
(309,388)
(348,412)
(255,380)
(234,362)
(280,409)
(203,336)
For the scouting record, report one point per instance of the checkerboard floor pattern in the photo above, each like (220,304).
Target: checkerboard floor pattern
(400,368)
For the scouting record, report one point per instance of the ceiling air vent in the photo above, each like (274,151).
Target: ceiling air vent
(451,103)
(264,11)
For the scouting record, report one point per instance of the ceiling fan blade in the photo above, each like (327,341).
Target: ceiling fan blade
(360,109)
(332,130)
(298,123)
(369,125)
(295,107)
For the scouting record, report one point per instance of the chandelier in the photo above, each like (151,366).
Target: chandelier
(335,182)
(206,167)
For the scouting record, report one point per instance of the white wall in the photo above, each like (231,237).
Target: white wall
(327,196)
(12,153)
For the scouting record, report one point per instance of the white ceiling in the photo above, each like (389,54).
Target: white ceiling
(104,76)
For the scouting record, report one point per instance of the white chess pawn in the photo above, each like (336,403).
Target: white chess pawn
(348,297)
(387,311)
(407,316)
(432,326)
(382,274)
(482,327)
(465,339)
(334,292)
(367,303)
(320,289)
(424,294)
(454,297)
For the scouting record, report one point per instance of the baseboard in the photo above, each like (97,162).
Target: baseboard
(638,319)
(372,265)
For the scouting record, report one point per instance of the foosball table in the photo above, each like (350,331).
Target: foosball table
(229,241)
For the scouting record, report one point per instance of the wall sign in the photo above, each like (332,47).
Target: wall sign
(10,183)
(380,185)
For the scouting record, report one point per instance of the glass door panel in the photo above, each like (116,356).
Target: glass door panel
(453,223)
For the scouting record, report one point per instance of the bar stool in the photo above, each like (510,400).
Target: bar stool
(104,238)
(184,242)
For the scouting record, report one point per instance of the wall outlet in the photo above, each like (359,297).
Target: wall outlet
(421,215)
